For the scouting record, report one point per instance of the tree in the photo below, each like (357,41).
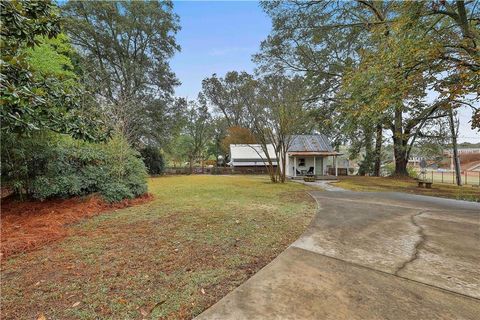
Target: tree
(321,40)
(219,127)
(230,95)
(160,122)
(237,135)
(476,120)
(405,64)
(376,61)
(280,112)
(35,93)
(125,48)
(198,130)
(454,135)
(153,159)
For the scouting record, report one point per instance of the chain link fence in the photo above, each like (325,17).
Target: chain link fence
(448,176)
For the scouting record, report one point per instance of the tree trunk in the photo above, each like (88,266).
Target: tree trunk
(400,162)
(366,164)
(272,173)
(282,159)
(400,141)
(378,151)
(456,160)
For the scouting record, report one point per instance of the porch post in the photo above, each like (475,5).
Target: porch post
(336,167)
(314,164)
(294,166)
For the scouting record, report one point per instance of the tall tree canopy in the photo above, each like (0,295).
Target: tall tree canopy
(375,65)
(230,95)
(125,48)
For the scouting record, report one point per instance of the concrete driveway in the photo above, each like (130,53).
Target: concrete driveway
(370,256)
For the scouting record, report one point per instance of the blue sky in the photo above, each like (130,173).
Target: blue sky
(216,37)
(221,36)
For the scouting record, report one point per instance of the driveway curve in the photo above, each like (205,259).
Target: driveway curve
(370,256)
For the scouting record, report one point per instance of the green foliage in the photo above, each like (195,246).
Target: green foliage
(125,47)
(370,64)
(230,96)
(389,170)
(198,130)
(53,57)
(366,166)
(51,165)
(33,93)
(153,159)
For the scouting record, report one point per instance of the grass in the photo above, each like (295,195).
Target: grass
(357,183)
(171,258)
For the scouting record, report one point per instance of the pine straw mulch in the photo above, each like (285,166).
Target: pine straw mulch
(28,225)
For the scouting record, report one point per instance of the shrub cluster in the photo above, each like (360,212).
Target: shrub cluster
(389,170)
(52,165)
(153,159)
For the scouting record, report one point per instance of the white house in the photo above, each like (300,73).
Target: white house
(250,155)
(307,155)
(312,155)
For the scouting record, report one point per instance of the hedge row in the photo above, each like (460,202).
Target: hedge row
(52,165)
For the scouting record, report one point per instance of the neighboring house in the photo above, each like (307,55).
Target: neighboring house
(473,166)
(307,155)
(449,152)
(250,156)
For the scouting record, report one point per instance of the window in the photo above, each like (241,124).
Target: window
(301,162)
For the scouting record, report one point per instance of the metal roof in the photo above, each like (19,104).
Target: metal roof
(310,143)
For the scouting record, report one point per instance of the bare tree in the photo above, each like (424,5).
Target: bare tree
(280,112)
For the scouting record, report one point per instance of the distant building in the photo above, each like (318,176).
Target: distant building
(449,152)
(307,155)
(250,155)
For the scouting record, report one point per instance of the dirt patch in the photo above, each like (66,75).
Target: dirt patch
(28,225)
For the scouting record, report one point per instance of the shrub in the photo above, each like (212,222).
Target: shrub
(389,170)
(153,160)
(412,172)
(52,165)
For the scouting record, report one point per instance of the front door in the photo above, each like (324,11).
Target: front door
(319,166)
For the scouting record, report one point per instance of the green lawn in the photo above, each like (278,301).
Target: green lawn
(171,258)
(358,183)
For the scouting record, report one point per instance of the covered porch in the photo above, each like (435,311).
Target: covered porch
(321,165)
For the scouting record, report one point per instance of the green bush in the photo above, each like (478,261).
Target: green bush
(153,159)
(389,170)
(52,165)
(412,172)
